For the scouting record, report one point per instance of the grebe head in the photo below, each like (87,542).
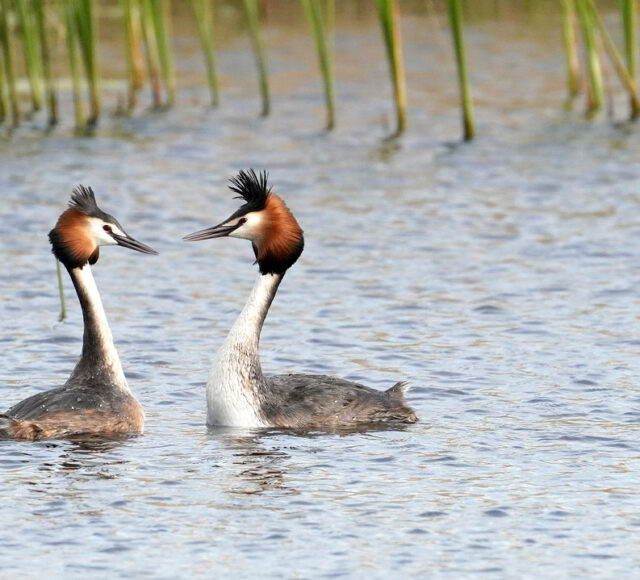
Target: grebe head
(265,220)
(84,227)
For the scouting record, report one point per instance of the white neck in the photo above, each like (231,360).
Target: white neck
(99,362)
(236,387)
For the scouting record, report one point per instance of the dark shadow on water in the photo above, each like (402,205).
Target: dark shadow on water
(46,466)
(387,149)
(255,467)
(452,147)
(88,457)
(78,453)
(81,443)
(238,434)
(260,462)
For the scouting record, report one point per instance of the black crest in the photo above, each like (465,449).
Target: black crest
(83,199)
(252,188)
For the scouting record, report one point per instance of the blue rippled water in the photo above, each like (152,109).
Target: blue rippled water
(500,278)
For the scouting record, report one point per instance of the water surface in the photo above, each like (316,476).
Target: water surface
(500,278)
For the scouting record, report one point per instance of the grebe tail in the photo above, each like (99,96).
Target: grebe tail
(96,398)
(238,394)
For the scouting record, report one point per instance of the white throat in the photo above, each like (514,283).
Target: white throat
(99,355)
(236,387)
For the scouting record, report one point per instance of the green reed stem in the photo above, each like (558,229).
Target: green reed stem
(596,92)
(88,38)
(4,97)
(50,92)
(10,78)
(68,10)
(629,10)
(133,46)
(151,44)
(253,19)
(330,40)
(389,14)
(31,51)
(614,54)
(313,12)
(162,25)
(63,303)
(202,11)
(457,28)
(330,26)
(570,47)
(7,80)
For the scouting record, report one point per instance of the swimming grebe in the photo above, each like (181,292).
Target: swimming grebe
(96,398)
(238,394)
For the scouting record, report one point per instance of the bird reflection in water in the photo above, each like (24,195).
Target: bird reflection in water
(259,457)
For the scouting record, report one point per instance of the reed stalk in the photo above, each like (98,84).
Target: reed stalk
(614,54)
(151,45)
(4,97)
(162,25)
(595,93)
(71,32)
(63,303)
(330,36)
(570,47)
(252,11)
(31,50)
(313,12)
(133,46)
(629,10)
(389,13)
(202,11)
(50,91)
(9,75)
(455,15)
(88,39)
(330,26)
(8,63)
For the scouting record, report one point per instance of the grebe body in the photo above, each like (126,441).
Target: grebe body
(238,394)
(96,399)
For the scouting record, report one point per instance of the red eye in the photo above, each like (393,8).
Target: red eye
(106,228)
(242,220)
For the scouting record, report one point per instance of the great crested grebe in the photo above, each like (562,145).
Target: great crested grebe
(96,398)
(238,394)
